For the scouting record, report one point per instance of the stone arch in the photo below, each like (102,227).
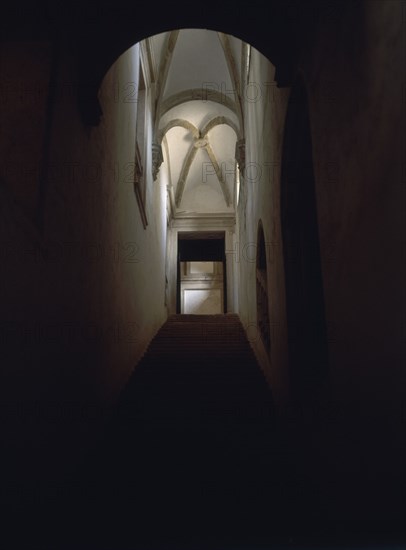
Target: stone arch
(111,36)
(178,123)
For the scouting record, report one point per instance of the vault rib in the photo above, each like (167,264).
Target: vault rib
(219,173)
(184,173)
(178,122)
(217,121)
(164,66)
(232,68)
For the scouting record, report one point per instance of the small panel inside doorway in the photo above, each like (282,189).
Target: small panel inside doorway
(202,287)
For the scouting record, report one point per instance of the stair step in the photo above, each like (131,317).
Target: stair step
(192,442)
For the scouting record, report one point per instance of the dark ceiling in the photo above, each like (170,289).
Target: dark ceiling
(97,33)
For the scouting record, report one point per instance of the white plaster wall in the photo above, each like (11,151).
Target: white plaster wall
(264,110)
(141,278)
(202,302)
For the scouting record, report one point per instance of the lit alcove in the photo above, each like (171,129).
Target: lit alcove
(202,287)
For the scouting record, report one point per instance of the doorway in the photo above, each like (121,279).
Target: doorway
(201,273)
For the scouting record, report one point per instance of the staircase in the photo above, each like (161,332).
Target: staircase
(194,458)
(191,457)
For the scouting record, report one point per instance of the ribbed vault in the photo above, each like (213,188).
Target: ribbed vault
(198,110)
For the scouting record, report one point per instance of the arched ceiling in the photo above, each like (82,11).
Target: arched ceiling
(198,115)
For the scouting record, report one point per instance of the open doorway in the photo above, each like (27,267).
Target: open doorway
(201,273)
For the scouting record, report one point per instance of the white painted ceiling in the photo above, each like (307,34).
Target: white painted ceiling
(197,78)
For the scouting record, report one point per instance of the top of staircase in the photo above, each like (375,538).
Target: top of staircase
(188,317)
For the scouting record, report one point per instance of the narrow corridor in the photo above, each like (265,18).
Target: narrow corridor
(137,140)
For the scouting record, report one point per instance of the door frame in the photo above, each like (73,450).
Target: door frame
(200,246)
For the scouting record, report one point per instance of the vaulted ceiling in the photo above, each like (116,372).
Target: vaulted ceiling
(198,115)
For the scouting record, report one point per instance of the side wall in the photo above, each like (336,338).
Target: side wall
(357,119)
(357,115)
(84,296)
(264,111)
